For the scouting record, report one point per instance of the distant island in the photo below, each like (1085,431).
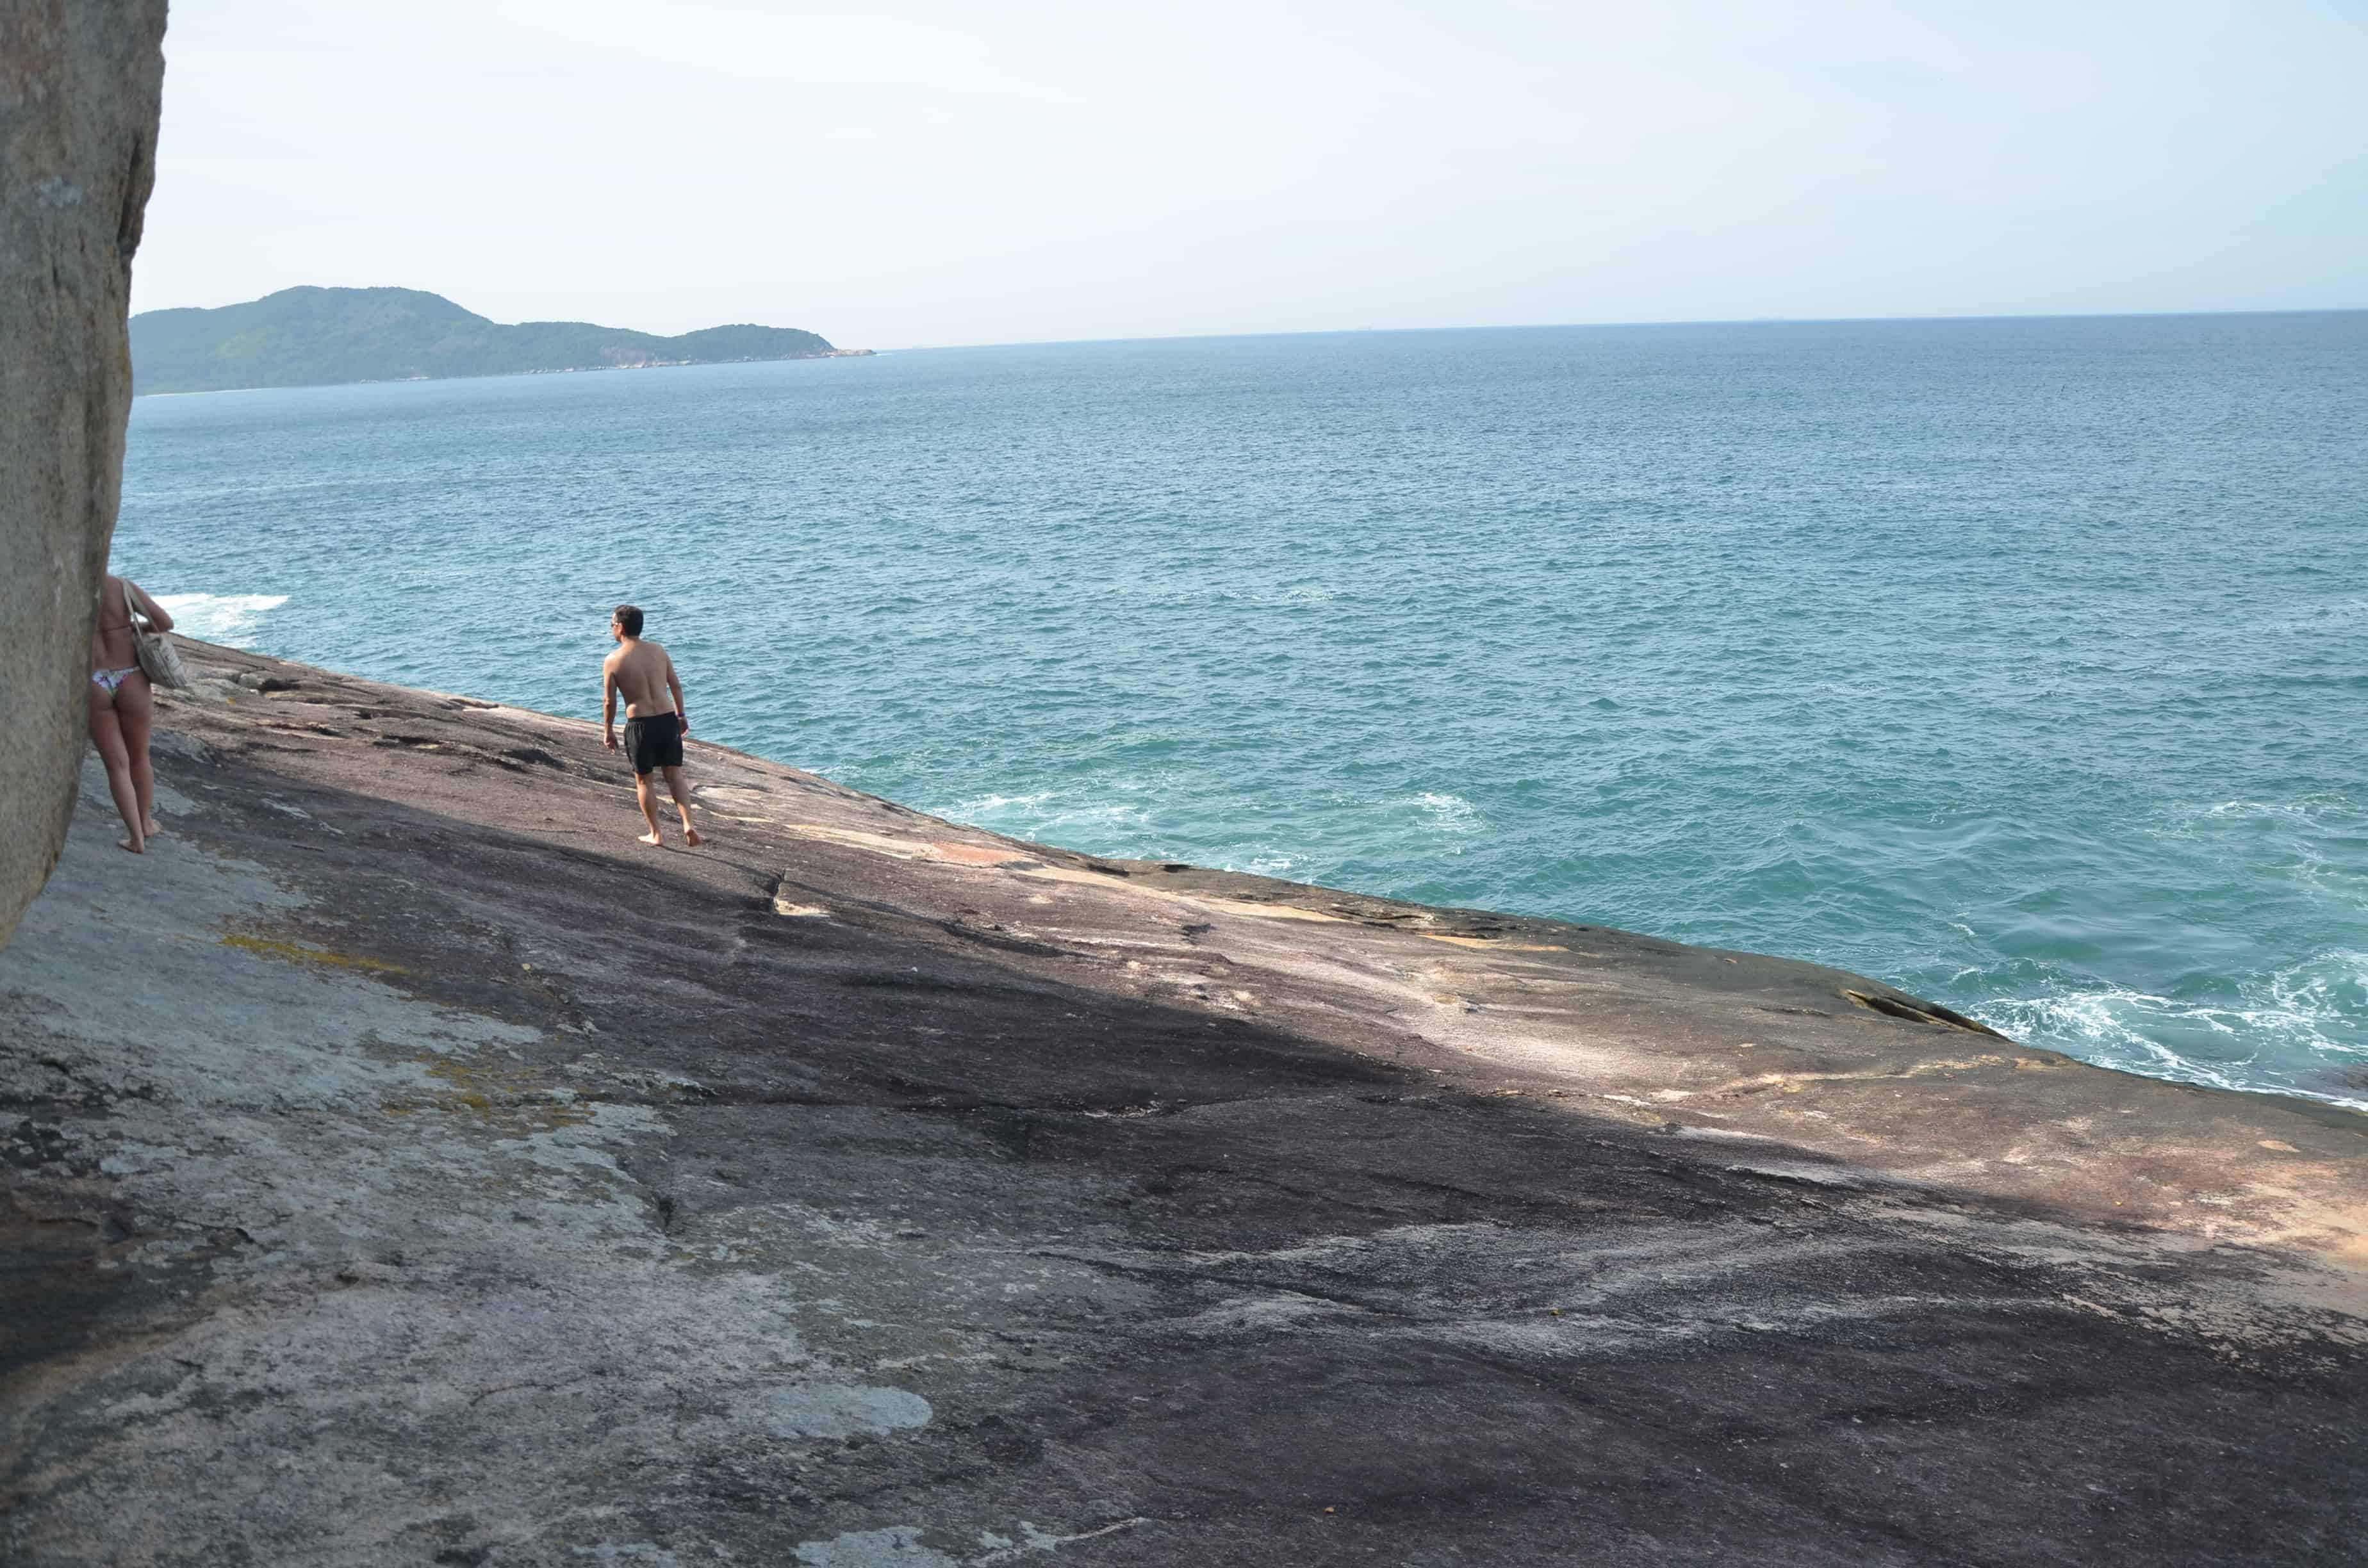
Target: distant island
(304,337)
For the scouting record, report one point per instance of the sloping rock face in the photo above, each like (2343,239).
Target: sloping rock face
(81,84)
(404,1165)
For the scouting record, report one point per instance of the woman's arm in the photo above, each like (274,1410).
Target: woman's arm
(158,619)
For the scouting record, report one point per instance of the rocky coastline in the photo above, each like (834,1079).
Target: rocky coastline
(403,1164)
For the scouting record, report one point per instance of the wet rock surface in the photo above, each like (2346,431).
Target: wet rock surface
(403,1164)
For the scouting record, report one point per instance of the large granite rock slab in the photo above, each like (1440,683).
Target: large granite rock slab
(440,1177)
(81,82)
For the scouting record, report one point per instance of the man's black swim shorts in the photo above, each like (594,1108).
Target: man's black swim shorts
(654,741)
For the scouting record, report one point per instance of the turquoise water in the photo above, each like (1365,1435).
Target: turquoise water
(2021,663)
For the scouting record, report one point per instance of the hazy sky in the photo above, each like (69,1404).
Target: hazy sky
(941,174)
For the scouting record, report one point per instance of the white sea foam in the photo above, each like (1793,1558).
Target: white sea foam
(1102,827)
(2310,1012)
(989,805)
(218,617)
(2294,811)
(2332,986)
(1450,813)
(1112,814)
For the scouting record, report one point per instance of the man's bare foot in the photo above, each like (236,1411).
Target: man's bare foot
(151,828)
(691,836)
(653,841)
(128,843)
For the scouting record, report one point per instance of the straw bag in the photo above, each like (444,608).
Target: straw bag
(154,651)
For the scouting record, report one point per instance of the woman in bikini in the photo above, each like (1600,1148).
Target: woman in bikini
(120,707)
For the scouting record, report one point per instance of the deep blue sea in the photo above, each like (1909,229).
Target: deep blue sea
(2021,664)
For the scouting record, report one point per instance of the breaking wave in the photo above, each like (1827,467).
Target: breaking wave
(227,618)
(2298,1030)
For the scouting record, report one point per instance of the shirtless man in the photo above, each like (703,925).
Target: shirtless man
(655,719)
(120,707)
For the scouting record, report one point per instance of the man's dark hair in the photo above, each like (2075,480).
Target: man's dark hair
(629,620)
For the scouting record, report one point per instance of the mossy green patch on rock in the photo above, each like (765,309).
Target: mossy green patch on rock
(305,953)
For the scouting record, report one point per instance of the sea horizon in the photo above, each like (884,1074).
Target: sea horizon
(1341,332)
(1613,325)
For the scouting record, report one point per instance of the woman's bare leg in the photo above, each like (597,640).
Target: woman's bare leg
(108,736)
(135,712)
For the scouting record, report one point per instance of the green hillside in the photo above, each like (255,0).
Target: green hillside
(316,337)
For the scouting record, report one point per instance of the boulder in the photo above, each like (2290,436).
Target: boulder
(81,82)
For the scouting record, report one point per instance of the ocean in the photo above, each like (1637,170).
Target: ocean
(2021,663)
